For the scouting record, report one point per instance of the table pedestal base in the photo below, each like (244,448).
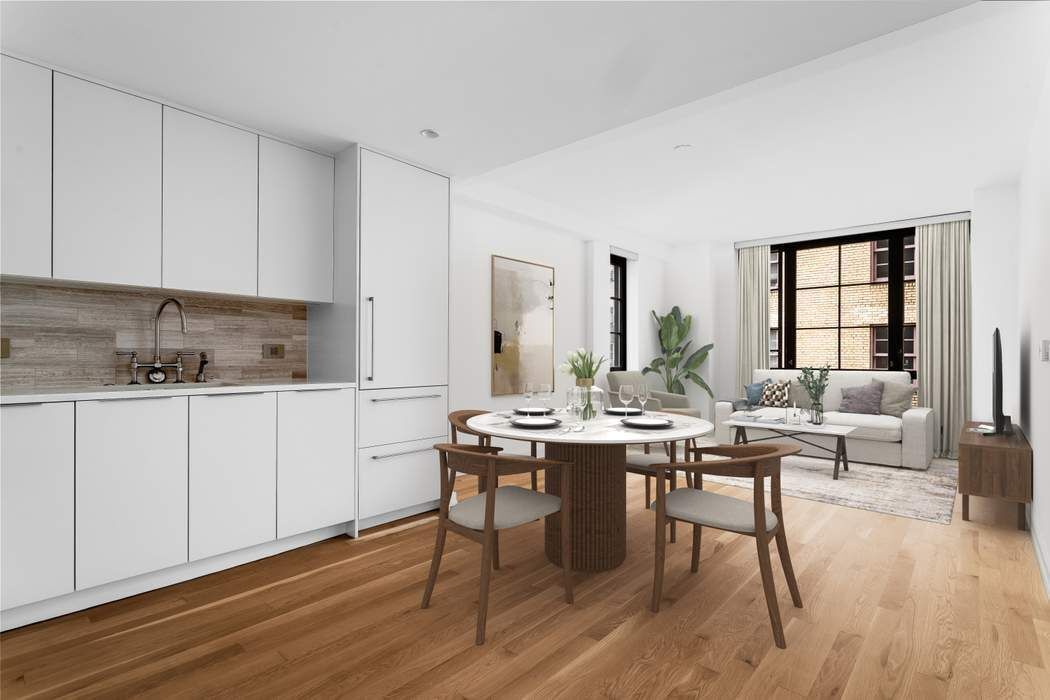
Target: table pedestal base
(599,505)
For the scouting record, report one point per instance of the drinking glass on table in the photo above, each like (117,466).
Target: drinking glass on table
(529,389)
(626,394)
(643,396)
(546,394)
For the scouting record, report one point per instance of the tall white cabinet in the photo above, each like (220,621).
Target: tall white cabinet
(25,168)
(107,185)
(404,274)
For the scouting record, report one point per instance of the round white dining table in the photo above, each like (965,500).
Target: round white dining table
(599,479)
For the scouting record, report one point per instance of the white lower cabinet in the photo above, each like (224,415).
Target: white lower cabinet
(131,493)
(36,514)
(315,459)
(400,476)
(233,472)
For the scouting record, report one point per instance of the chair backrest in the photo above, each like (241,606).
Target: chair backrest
(618,378)
(458,422)
(747,461)
(485,461)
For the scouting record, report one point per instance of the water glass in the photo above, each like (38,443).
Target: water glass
(529,390)
(626,394)
(546,394)
(643,396)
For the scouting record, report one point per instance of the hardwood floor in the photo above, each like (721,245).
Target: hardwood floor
(893,607)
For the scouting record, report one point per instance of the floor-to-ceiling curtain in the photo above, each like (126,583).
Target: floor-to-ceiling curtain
(752,300)
(943,258)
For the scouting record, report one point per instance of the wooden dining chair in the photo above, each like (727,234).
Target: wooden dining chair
(481,517)
(458,423)
(644,465)
(705,508)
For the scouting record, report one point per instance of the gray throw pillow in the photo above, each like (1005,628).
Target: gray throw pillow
(896,397)
(866,398)
(798,396)
(754,391)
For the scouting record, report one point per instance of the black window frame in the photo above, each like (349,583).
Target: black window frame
(618,302)
(787,293)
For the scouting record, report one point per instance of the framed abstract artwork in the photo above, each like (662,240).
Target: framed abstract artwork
(522,325)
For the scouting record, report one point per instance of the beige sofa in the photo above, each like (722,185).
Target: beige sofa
(878,439)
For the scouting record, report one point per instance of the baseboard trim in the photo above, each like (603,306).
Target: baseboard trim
(1044,569)
(109,592)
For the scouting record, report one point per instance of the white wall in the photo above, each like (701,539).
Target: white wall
(994,263)
(481,229)
(1034,380)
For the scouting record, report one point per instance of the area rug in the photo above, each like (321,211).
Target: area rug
(923,495)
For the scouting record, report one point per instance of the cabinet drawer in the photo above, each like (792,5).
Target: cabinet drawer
(398,476)
(400,415)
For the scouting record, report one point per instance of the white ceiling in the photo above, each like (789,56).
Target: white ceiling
(500,81)
(908,125)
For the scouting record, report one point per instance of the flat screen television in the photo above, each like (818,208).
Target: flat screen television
(1002,422)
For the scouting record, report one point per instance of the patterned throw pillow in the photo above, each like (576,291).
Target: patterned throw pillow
(776,394)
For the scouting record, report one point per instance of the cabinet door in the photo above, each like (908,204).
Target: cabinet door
(130,487)
(107,150)
(296,234)
(395,477)
(211,203)
(404,275)
(25,145)
(233,472)
(36,471)
(315,460)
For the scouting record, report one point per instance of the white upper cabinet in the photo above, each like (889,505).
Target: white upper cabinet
(107,185)
(25,142)
(404,275)
(36,518)
(210,205)
(296,237)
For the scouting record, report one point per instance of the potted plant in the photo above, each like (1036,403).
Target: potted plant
(676,363)
(815,382)
(584,365)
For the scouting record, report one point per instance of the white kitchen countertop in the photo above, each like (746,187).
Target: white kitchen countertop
(125,391)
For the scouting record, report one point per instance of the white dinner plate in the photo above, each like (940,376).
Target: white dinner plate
(647,422)
(535,422)
(533,411)
(623,411)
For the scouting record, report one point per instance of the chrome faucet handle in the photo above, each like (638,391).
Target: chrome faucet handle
(134,355)
(178,364)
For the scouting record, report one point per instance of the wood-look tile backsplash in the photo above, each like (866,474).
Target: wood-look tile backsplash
(68,336)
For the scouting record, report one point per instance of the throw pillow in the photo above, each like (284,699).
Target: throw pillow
(776,394)
(866,398)
(754,391)
(798,396)
(896,397)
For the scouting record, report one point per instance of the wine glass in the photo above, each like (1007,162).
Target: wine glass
(546,394)
(643,396)
(626,394)
(529,389)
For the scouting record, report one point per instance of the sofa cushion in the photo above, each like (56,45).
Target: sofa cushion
(776,394)
(868,427)
(896,398)
(754,391)
(866,398)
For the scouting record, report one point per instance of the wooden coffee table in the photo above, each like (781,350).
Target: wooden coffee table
(794,431)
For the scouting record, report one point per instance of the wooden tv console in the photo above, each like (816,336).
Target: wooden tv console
(995,466)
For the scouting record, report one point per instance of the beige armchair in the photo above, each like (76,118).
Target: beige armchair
(660,401)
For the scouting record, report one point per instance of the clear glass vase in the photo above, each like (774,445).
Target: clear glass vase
(590,399)
(816,413)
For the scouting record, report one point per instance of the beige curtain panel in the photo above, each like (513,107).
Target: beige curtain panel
(752,301)
(943,288)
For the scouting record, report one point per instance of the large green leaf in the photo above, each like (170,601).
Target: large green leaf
(698,357)
(699,381)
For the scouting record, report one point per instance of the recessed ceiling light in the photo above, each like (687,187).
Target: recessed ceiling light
(429,133)
(683,146)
